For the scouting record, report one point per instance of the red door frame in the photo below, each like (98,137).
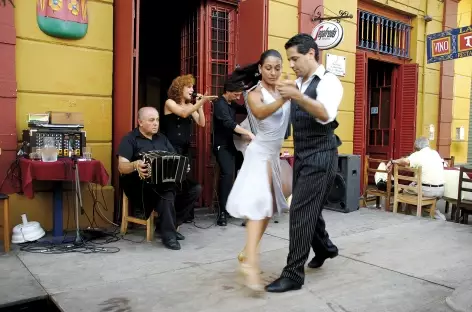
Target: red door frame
(125,60)
(206,154)
(389,150)
(8,95)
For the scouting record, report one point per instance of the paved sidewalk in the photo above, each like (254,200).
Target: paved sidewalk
(387,262)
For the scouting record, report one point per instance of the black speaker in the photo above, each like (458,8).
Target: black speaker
(344,193)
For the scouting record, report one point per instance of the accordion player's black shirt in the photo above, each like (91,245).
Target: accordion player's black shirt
(134,143)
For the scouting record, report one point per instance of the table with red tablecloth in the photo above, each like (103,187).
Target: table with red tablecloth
(59,171)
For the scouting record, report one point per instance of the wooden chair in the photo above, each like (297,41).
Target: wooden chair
(149,223)
(416,199)
(6,221)
(450,161)
(372,190)
(462,207)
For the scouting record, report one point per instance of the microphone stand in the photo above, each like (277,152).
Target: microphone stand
(78,200)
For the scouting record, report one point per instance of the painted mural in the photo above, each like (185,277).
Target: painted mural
(66,19)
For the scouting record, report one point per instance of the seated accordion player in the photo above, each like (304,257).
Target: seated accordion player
(165,167)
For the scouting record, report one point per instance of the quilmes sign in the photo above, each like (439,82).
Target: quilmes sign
(328,35)
(448,45)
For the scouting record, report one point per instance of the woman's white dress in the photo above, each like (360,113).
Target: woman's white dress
(251,196)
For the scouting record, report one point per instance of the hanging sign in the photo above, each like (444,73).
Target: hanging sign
(448,45)
(328,35)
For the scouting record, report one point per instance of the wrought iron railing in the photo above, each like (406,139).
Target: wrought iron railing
(384,35)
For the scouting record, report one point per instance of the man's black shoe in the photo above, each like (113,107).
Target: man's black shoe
(317,262)
(222,220)
(179,236)
(283,284)
(171,243)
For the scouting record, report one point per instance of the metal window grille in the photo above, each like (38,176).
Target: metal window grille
(190,54)
(189,46)
(384,35)
(221,54)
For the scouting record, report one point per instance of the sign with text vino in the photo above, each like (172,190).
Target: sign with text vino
(449,45)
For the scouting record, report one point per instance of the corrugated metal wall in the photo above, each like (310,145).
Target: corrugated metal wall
(469,144)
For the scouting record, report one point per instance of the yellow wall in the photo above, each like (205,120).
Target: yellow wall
(429,74)
(462,83)
(65,75)
(346,48)
(283,24)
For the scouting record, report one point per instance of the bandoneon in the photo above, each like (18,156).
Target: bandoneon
(165,167)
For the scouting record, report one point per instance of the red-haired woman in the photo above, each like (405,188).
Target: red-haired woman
(179,113)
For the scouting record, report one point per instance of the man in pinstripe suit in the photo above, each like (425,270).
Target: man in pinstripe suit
(315,97)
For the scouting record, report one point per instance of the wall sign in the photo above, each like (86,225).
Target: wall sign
(328,35)
(336,64)
(66,19)
(448,45)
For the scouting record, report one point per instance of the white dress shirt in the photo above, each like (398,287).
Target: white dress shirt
(329,91)
(431,164)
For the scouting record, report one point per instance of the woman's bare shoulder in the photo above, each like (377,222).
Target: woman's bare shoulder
(256,91)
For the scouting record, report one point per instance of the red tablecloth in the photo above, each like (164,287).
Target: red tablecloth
(89,171)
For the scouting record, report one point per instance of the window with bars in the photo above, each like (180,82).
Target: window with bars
(221,46)
(384,35)
(189,46)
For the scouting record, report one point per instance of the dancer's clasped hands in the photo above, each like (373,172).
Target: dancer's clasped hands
(288,89)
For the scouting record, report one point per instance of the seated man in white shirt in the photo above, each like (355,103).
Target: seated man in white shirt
(432,169)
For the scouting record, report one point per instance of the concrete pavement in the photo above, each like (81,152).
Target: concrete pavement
(387,262)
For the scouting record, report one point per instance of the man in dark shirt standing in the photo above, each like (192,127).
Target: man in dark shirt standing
(171,207)
(224,126)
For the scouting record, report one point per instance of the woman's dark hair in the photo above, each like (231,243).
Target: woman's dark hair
(249,75)
(304,43)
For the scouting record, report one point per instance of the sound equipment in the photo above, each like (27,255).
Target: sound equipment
(66,139)
(344,194)
(165,167)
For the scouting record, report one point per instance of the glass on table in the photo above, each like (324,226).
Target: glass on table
(87,153)
(36,153)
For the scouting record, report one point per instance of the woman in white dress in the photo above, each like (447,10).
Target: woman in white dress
(257,192)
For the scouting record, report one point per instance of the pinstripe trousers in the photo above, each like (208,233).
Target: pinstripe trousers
(314,175)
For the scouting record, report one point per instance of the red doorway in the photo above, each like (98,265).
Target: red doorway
(202,42)
(372,134)
(380,113)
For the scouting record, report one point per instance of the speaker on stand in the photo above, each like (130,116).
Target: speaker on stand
(344,195)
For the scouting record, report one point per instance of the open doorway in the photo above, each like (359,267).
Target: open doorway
(381,109)
(161,41)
